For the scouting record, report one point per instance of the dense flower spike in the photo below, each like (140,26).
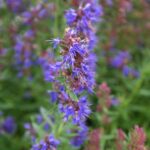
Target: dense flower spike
(76,47)
(77,61)
(75,70)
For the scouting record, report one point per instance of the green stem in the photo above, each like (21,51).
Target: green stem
(60,128)
(56,22)
(18,107)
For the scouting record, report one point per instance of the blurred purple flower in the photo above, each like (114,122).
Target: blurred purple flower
(9,125)
(15,5)
(49,143)
(114,101)
(127,71)
(70,16)
(120,59)
(80,137)
(39,119)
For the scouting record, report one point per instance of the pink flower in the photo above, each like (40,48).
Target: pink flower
(120,140)
(137,139)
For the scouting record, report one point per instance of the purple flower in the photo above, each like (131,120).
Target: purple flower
(29,34)
(92,11)
(120,59)
(54,96)
(15,5)
(127,71)
(9,125)
(77,48)
(78,111)
(49,143)
(70,16)
(27,126)
(27,17)
(80,137)
(43,13)
(109,2)
(83,111)
(46,126)
(76,66)
(68,111)
(56,42)
(36,13)
(39,119)
(114,102)
(24,57)
(48,70)
(27,63)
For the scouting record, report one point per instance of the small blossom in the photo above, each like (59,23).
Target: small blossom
(120,59)
(70,16)
(128,71)
(48,143)
(39,119)
(9,125)
(81,136)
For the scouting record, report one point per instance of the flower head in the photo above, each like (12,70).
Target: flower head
(9,125)
(48,143)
